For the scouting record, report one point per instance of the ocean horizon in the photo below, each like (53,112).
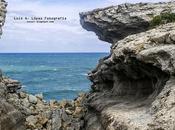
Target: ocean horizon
(53,52)
(60,75)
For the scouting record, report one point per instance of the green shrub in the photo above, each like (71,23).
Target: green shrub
(162,19)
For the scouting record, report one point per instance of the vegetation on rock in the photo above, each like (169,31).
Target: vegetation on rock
(162,19)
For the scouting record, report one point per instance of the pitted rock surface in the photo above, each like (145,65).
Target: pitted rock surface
(3,11)
(116,22)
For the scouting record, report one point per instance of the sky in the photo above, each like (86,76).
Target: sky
(61,36)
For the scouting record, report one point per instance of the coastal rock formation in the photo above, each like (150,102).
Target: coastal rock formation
(10,117)
(21,111)
(3,11)
(115,23)
(134,87)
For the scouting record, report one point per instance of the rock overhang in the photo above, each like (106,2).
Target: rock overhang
(114,23)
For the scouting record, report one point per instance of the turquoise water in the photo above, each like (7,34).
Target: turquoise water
(56,75)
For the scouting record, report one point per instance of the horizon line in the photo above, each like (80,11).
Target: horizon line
(46,52)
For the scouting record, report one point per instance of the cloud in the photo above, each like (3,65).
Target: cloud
(59,37)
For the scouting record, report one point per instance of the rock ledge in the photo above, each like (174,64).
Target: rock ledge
(116,22)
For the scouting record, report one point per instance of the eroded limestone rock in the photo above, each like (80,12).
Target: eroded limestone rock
(133,87)
(3,11)
(116,22)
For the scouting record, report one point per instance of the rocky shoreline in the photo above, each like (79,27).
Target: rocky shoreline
(32,112)
(132,89)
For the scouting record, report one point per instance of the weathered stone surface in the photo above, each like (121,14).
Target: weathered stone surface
(22,95)
(132,83)
(10,117)
(133,87)
(116,22)
(32,99)
(31,121)
(26,111)
(40,96)
(155,47)
(56,120)
(3,11)
(12,86)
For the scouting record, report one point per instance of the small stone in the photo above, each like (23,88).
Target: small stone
(25,102)
(53,103)
(14,96)
(69,112)
(78,112)
(43,120)
(31,108)
(76,126)
(48,114)
(65,116)
(14,81)
(40,104)
(78,101)
(32,99)
(22,95)
(40,96)
(31,121)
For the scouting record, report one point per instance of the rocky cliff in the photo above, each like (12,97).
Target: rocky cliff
(134,87)
(115,23)
(3,11)
(10,117)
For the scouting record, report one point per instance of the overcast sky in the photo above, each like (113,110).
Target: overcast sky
(63,36)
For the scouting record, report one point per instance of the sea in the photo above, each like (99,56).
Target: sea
(56,75)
